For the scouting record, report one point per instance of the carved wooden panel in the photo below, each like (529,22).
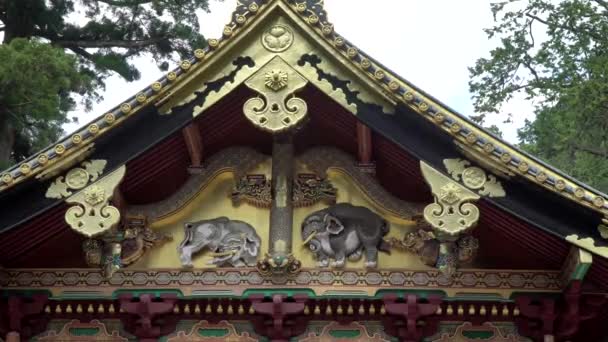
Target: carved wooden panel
(83,332)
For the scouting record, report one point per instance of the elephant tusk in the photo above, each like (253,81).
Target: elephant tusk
(309,238)
(228,253)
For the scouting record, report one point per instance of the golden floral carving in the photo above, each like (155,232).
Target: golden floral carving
(76,179)
(92,214)
(452,213)
(474,178)
(281,110)
(278,38)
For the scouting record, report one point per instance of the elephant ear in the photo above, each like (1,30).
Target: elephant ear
(251,246)
(333,225)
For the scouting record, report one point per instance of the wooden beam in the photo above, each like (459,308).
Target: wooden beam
(364,142)
(194,143)
(575,266)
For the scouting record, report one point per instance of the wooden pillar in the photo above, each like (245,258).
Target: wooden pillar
(281,212)
(364,142)
(194,143)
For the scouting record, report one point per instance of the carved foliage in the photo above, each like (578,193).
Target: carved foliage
(226,332)
(451,214)
(474,178)
(69,333)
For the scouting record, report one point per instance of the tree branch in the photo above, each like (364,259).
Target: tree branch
(125,3)
(595,152)
(563,27)
(85,44)
(602,3)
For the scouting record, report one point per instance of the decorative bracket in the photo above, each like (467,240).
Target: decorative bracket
(411,311)
(452,213)
(276,82)
(474,178)
(280,328)
(92,214)
(144,321)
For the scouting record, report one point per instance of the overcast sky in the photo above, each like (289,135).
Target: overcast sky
(431,43)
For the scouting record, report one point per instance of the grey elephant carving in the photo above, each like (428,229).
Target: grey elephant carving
(345,231)
(232,243)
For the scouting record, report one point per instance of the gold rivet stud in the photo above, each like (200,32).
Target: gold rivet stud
(59,149)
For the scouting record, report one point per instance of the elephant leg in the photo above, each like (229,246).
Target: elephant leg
(323,261)
(340,259)
(186,256)
(371,256)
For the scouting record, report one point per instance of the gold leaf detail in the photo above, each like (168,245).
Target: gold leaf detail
(93,129)
(352,52)
(394,86)
(228,31)
(199,53)
(157,86)
(59,149)
(185,65)
(109,118)
(7,178)
(213,42)
(523,167)
(339,42)
(141,98)
(439,118)
(171,76)
(25,168)
(366,64)
(76,139)
(541,177)
(301,7)
(505,157)
(125,108)
(560,185)
(598,201)
(43,159)
(488,148)
(278,38)
(327,29)
(379,75)
(423,106)
(471,138)
(408,96)
(579,193)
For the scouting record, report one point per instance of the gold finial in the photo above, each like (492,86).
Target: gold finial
(306,310)
(494,310)
(68,309)
(197,309)
(220,309)
(111,309)
(482,310)
(90,309)
(361,309)
(350,310)
(505,311)
(328,310)
(372,309)
(241,310)
(230,311)
(187,309)
(471,310)
(460,310)
(317,310)
(450,310)
(176,309)
(101,309)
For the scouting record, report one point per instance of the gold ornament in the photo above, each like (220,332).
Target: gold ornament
(452,213)
(76,179)
(474,177)
(92,214)
(278,38)
(276,82)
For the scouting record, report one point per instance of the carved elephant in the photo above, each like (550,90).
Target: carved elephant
(345,231)
(232,243)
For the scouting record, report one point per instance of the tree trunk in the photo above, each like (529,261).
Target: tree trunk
(7,140)
(20,19)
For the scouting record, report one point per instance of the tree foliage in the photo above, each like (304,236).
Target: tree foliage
(556,53)
(71,47)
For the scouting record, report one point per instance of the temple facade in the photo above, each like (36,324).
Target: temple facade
(282,185)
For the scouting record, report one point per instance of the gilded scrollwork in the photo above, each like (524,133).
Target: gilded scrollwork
(452,213)
(474,178)
(279,110)
(76,179)
(92,213)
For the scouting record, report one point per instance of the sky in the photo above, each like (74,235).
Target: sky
(430,43)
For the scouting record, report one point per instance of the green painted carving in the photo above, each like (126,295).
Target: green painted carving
(345,333)
(213,332)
